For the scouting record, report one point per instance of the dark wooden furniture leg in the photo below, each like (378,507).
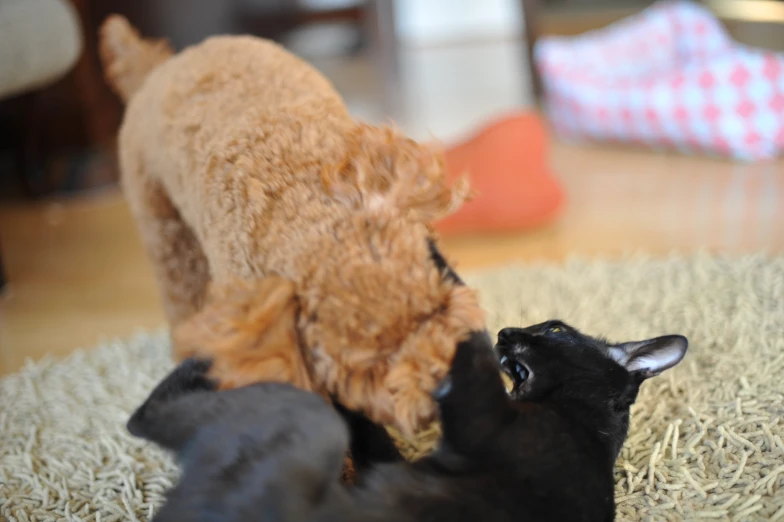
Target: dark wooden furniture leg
(530,17)
(3,280)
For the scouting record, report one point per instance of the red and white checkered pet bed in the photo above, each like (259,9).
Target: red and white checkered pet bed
(669,76)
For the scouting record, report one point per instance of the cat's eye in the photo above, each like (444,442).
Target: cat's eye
(555,329)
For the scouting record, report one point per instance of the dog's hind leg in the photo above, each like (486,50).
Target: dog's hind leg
(178,260)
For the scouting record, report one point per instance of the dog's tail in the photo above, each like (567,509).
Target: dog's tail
(127,58)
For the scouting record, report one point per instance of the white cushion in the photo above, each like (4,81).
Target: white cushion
(40,41)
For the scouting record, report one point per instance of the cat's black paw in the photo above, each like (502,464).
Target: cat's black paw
(472,399)
(473,367)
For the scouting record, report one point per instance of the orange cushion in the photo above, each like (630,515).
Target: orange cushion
(506,162)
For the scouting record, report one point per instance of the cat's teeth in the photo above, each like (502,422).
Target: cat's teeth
(503,359)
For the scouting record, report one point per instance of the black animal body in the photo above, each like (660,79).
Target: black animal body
(543,450)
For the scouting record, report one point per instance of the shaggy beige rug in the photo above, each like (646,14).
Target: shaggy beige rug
(706,438)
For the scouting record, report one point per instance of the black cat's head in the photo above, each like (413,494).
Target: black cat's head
(555,363)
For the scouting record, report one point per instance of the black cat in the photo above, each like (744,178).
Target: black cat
(543,450)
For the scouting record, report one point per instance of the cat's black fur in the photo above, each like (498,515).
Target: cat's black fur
(542,452)
(261,452)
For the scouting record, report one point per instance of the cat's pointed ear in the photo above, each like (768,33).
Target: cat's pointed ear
(651,357)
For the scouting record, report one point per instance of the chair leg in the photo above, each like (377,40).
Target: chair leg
(530,17)
(3,279)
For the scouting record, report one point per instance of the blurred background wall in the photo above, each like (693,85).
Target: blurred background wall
(415,61)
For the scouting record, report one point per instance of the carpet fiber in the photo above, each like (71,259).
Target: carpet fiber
(706,438)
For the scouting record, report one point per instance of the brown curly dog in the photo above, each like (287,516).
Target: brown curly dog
(290,242)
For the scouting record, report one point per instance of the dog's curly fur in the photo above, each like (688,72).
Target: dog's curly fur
(290,241)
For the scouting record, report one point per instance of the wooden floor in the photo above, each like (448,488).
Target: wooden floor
(78,273)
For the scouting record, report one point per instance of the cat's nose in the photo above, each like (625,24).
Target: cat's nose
(506,335)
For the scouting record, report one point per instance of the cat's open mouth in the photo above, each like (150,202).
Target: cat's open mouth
(513,372)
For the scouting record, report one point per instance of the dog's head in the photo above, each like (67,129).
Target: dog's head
(383,311)
(385,175)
